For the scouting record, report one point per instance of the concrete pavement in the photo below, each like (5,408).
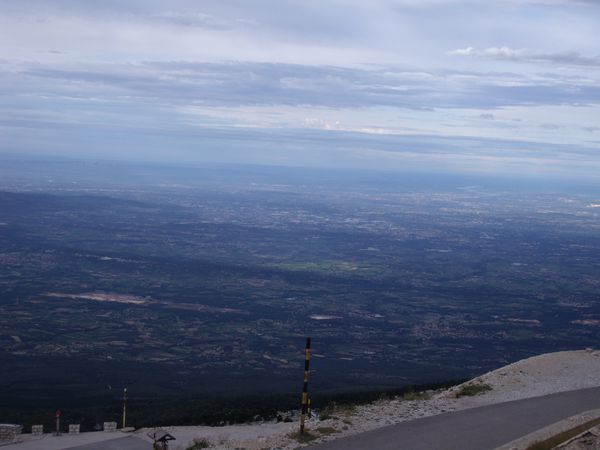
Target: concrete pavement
(123,443)
(85,441)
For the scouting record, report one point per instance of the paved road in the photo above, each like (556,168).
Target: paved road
(481,428)
(122,443)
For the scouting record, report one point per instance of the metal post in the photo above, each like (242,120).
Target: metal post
(305,387)
(124,407)
(58,422)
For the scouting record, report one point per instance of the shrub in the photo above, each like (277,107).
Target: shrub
(198,444)
(333,410)
(412,395)
(303,438)
(469,390)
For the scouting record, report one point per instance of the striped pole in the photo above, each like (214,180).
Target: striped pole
(305,387)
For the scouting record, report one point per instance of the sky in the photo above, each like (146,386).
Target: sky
(505,86)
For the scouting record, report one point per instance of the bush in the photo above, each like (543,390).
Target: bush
(303,438)
(469,390)
(412,395)
(333,410)
(198,444)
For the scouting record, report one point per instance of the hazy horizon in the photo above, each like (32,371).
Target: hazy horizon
(48,172)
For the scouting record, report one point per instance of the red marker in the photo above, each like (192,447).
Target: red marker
(58,422)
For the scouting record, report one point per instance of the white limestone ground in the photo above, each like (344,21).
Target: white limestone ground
(532,377)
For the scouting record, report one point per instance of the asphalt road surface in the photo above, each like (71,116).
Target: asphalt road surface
(123,443)
(481,428)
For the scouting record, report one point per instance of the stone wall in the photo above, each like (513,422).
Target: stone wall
(9,433)
(110,426)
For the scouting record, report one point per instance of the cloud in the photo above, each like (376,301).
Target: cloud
(558,2)
(568,58)
(492,52)
(192,19)
(162,97)
(503,52)
(467,51)
(231,84)
(571,58)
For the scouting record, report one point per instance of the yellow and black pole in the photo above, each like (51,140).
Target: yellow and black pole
(124,407)
(305,387)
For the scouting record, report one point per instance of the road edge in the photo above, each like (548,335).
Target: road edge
(551,430)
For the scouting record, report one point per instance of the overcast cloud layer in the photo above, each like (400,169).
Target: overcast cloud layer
(503,86)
